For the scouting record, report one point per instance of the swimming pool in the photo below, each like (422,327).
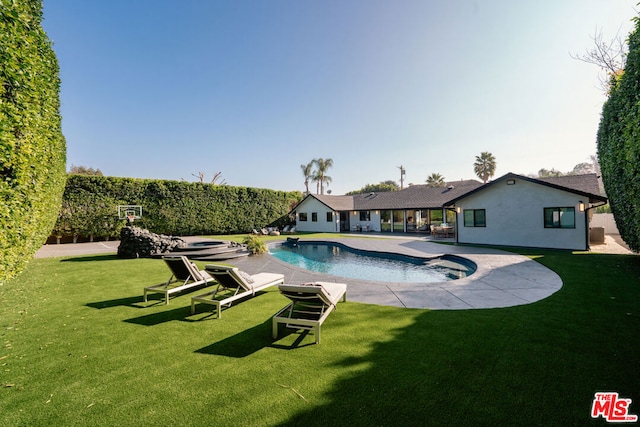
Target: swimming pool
(340,260)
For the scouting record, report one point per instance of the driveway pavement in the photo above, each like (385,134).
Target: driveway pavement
(502,279)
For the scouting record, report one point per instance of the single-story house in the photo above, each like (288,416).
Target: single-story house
(410,210)
(516,210)
(512,210)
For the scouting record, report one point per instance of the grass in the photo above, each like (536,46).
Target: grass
(79,347)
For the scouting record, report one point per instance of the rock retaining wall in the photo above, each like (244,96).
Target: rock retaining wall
(136,242)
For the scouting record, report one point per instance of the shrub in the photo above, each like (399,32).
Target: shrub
(169,207)
(255,244)
(32,147)
(619,146)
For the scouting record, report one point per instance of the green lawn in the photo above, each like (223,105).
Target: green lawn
(80,348)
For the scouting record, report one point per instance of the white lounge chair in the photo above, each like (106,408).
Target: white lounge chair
(311,304)
(233,285)
(184,275)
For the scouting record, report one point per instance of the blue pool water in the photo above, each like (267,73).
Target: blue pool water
(340,260)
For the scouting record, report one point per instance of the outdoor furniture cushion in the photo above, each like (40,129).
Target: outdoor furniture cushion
(233,284)
(311,304)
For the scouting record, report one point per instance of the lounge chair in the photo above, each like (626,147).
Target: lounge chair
(311,304)
(233,285)
(184,275)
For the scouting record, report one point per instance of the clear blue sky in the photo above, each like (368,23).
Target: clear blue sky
(253,89)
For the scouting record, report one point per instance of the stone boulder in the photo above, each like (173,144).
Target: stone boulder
(136,242)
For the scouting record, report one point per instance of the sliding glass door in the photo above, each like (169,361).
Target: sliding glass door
(398,221)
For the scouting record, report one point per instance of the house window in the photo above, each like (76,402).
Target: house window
(365,215)
(329,216)
(559,217)
(475,218)
(314,216)
(302,216)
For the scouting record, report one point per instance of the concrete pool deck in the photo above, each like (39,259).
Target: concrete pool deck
(502,279)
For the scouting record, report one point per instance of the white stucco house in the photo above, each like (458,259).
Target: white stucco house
(410,210)
(512,210)
(516,210)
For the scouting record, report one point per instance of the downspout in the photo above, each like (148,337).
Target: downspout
(586,223)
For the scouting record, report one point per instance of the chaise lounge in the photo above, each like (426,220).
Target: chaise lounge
(184,275)
(311,304)
(233,285)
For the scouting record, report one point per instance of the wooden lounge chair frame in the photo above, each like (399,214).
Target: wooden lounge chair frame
(232,286)
(184,275)
(311,304)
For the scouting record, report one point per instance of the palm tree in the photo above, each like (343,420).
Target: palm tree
(315,177)
(435,180)
(322,166)
(485,166)
(307,171)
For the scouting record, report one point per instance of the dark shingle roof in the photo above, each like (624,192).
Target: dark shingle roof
(413,197)
(586,185)
(425,197)
(337,203)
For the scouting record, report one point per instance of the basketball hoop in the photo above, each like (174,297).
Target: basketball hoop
(129,212)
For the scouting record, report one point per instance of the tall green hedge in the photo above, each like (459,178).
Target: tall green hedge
(32,147)
(619,146)
(169,207)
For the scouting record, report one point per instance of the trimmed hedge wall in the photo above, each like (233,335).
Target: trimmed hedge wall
(175,208)
(619,146)
(32,147)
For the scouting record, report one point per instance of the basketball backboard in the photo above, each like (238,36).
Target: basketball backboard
(129,212)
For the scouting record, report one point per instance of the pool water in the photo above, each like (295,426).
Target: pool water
(340,260)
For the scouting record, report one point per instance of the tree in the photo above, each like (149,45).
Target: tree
(618,142)
(549,173)
(485,166)
(435,180)
(609,56)
(376,188)
(32,147)
(307,171)
(214,180)
(83,170)
(582,168)
(322,166)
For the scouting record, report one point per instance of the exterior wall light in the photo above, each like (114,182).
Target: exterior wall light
(458,209)
(581,206)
